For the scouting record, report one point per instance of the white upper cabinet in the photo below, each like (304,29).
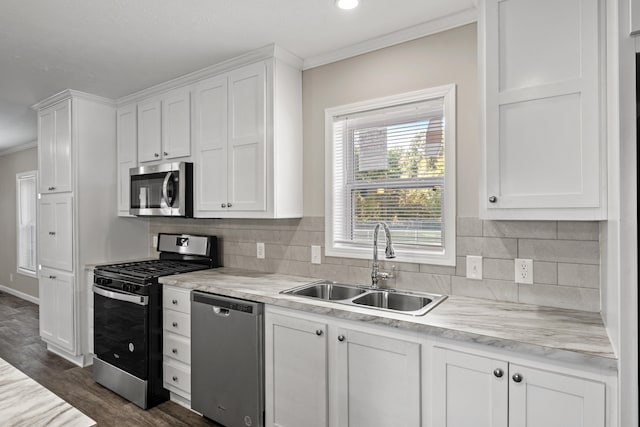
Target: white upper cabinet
(176,124)
(164,126)
(210,142)
(542,131)
(54,137)
(127,137)
(248,143)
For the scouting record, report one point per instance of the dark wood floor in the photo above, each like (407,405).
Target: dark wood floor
(21,346)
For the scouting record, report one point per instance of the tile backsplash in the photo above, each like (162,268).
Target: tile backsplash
(566,257)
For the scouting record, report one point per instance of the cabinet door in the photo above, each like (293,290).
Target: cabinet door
(54,138)
(57,309)
(56,231)
(296,386)
(176,124)
(210,142)
(149,130)
(548,399)
(468,390)
(127,154)
(377,380)
(246,142)
(543,129)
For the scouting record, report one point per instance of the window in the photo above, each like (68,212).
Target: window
(393,160)
(26,215)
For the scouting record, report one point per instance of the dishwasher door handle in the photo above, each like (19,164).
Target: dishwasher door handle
(220,311)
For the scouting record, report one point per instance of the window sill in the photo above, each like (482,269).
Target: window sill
(416,257)
(27,273)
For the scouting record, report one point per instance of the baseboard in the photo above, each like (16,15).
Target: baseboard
(19,294)
(76,360)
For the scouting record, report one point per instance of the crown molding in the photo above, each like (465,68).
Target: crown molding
(266,52)
(68,94)
(448,22)
(18,148)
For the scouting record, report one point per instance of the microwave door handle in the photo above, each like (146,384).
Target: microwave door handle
(165,184)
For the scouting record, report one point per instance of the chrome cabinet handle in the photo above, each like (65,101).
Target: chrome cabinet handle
(156,155)
(318,332)
(175,379)
(223,205)
(498,373)
(52,188)
(228,205)
(175,324)
(517,378)
(493,199)
(340,338)
(174,351)
(52,233)
(174,302)
(165,153)
(52,277)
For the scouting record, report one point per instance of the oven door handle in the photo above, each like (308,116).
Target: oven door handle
(136,299)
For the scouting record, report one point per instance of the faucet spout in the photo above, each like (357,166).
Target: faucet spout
(388,252)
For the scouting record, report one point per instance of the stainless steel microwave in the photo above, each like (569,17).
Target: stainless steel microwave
(162,190)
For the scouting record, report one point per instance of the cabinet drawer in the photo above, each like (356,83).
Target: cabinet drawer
(177,299)
(177,347)
(179,323)
(177,377)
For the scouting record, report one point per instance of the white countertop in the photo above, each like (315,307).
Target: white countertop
(24,402)
(555,333)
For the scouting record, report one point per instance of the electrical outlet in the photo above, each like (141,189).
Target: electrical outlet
(524,271)
(316,257)
(260,250)
(154,241)
(474,267)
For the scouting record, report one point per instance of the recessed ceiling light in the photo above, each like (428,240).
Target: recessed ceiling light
(347,4)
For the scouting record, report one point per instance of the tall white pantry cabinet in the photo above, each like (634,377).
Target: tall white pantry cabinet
(77,224)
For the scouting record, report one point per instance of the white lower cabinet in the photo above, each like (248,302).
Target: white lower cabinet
(176,342)
(56,315)
(473,390)
(356,377)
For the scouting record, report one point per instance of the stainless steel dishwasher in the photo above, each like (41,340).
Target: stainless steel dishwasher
(227,359)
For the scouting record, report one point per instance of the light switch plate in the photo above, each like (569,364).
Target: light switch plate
(316,256)
(260,250)
(474,267)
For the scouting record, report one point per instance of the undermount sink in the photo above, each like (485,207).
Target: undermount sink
(412,303)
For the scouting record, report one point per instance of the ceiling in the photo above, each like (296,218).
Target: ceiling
(116,47)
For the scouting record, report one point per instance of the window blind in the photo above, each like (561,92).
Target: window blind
(389,165)
(26,186)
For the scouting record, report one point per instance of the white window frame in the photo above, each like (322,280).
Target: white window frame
(427,255)
(20,176)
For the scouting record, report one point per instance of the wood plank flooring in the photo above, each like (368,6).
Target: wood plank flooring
(21,346)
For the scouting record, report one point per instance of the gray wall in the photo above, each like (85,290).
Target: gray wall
(10,165)
(566,254)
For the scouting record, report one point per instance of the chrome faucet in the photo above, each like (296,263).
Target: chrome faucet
(388,253)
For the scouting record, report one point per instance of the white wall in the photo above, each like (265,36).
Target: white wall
(10,165)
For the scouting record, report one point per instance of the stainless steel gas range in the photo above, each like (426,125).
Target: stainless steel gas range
(128,316)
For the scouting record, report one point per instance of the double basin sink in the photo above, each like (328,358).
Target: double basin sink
(411,303)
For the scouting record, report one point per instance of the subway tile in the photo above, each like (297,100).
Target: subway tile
(467,226)
(579,275)
(520,229)
(500,269)
(438,269)
(489,247)
(560,296)
(497,290)
(424,282)
(545,272)
(461,266)
(567,251)
(400,266)
(356,262)
(578,230)
(312,223)
(294,253)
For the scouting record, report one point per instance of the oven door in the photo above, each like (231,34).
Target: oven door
(121,330)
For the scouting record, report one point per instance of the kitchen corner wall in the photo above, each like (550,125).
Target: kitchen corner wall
(566,254)
(565,269)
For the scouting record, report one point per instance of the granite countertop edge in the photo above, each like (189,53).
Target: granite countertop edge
(559,334)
